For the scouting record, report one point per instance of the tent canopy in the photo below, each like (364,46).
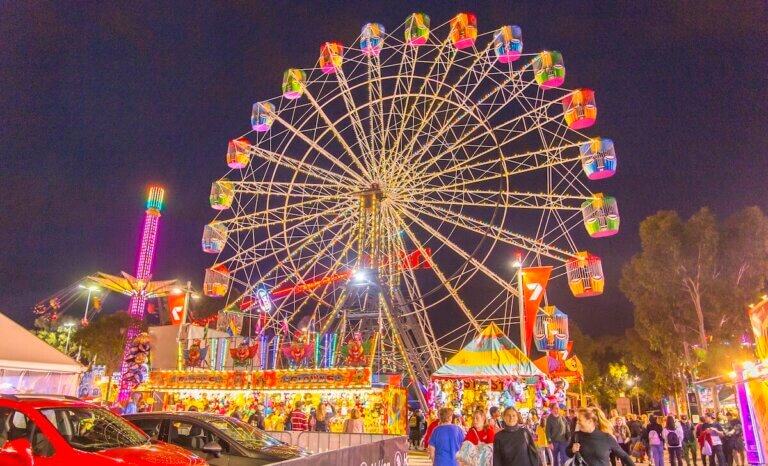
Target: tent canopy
(20,350)
(490,355)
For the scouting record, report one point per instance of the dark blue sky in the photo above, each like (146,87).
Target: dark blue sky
(98,99)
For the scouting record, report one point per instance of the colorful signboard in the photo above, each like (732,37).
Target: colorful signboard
(752,398)
(758,317)
(302,379)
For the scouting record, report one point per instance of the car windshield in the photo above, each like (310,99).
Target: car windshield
(245,434)
(94,429)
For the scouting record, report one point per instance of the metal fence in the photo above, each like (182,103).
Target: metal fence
(391,450)
(320,442)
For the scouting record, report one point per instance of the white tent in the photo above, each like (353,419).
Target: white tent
(30,365)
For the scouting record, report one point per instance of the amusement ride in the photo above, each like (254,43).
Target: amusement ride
(374,197)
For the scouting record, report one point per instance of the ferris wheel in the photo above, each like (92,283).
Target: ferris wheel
(382,188)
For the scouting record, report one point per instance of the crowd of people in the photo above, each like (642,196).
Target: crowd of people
(580,437)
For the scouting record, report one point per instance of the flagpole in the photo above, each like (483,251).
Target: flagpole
(187,293)
(518,264)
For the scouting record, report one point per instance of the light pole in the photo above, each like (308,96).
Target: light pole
(518,264)
(69,326)
(90,289)
(188,293)
(633,383)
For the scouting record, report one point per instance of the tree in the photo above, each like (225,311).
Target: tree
(691,284)
(103,340)
(56,337)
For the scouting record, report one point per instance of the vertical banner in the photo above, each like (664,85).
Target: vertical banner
(176,308)
(758,317)
(534,285)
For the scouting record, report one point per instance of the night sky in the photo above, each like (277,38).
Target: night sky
(100,99)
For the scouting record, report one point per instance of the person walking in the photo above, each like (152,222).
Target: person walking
(635,432)
(445,440)
(556,429)
(737,433)
(354,425)
(514,445)
(733,432)
(690,446)
(653,438)
(256,419)
(712,433)
(536,426)
(495,420)
(593,441)
(416,425)
(622,434)
(480,432)
(673,438)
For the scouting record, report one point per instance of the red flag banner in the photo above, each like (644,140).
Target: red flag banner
(176,308)
(534,285)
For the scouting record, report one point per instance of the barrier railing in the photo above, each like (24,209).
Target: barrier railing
(320,442)
(391,450)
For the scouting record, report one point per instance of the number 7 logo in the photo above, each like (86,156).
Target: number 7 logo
(536,289)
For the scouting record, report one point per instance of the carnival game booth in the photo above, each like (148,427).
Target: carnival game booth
(566,373)
(30,365)
(752,389)
(277,376)
(491,371)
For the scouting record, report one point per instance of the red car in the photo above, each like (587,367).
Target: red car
(45,430)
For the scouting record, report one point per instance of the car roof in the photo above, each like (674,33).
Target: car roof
(48,401)
(196,415)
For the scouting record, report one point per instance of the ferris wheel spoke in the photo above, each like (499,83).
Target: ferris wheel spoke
(484,228)
(414,291)
(424,166)
(313,143)
(277,252)
(409,154)
(504,199)
(410,108)
(539,161)
(376,110)
(282,214)
(299,166)
(356,120)
(460,252)
(405,72)
(464,141)
(440,275)
(354,157)
(291,189)
(304,275)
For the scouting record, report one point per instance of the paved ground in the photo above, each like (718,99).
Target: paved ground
(418,458)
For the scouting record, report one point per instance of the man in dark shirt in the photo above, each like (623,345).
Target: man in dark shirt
(556,430)
(690,446)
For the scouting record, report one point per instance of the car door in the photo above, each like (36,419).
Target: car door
(193,436)
(157,428)
(17,425)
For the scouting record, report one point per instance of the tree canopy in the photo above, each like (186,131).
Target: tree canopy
(690,287)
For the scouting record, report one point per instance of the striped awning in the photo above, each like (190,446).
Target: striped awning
(490,355)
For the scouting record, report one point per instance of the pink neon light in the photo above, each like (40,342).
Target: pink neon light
(138,302)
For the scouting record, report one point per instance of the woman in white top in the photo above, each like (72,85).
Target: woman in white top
(673,438)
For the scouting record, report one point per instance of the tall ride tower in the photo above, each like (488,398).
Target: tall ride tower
(138,301)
